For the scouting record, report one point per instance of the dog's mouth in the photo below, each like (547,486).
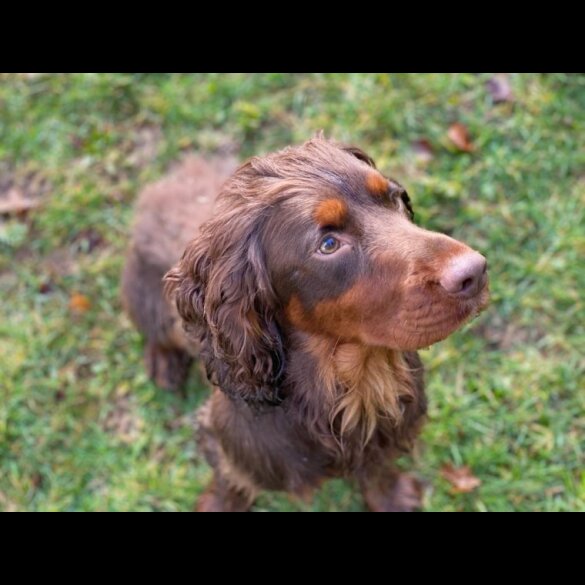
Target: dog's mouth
(456,314)
(421,316)
(432,322)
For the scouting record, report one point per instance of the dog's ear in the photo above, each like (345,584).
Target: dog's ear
(226,301)
(360,154)
(396,189)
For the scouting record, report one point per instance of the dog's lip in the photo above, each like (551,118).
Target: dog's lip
(464,311)
(472,307)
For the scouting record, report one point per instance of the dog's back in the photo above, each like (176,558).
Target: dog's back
(168,216)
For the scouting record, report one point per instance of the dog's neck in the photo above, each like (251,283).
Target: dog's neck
(354,387)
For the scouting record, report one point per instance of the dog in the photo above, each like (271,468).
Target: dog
(306,293)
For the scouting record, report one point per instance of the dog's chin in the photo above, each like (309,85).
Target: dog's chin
(403,339)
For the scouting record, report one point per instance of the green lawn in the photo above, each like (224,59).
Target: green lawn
(81,427)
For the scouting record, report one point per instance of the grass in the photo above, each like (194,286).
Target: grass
(81,427)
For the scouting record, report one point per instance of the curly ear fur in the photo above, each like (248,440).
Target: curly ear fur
(225,299)
(220,286)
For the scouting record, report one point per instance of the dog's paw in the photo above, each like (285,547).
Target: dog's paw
(405,495)
(211,501)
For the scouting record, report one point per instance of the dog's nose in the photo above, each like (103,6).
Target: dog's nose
(465,275)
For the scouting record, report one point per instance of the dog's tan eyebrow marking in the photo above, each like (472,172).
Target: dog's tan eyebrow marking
(331,213)
(377,184)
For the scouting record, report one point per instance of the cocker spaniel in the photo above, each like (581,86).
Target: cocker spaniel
(305,289)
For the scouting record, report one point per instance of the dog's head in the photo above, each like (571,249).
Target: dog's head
(314,238)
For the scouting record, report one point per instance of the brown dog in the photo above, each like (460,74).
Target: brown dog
(306,295)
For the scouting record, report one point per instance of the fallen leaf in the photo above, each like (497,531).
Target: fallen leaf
(500,89)
(459,136)
(46,287)
(79,303)
(37,480)
(423,150)
(461,479)
(15,202)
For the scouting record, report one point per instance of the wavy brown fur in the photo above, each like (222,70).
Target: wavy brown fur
(312,355)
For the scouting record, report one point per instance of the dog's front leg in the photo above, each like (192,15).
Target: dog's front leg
(230,490)
(386,489)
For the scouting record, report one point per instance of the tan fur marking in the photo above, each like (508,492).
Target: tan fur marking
(331,213)
(377,184)
(398,305)
(295,313)
(375,380)
(364,384)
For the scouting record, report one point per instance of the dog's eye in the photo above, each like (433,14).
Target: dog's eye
(329,244)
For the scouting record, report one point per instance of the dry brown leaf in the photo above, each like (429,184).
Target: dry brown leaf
(423,150)
(79,303)
(500,89)
(15,202)
(46,287)
(461,479)
(458,134)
